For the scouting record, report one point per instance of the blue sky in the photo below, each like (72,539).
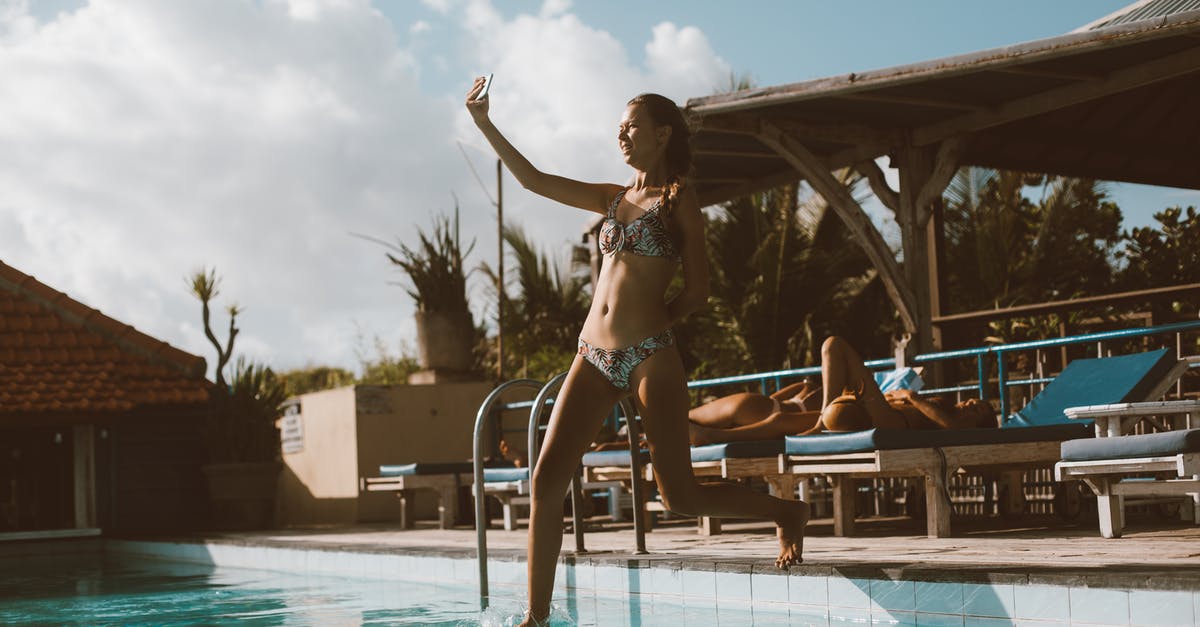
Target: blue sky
(145,139)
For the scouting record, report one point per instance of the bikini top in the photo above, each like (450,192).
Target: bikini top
(646,235)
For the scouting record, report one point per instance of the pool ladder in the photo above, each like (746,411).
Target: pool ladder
(537,407)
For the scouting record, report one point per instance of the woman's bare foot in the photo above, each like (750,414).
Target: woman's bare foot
(791,536)
(530,621)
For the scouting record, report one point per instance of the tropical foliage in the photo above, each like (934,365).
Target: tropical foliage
(785,274)
(543,308)
(241,420)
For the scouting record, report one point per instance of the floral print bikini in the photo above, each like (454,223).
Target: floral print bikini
(647,236)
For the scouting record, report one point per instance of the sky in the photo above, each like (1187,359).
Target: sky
(141,140)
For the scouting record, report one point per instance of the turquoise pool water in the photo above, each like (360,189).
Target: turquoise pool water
(95,589)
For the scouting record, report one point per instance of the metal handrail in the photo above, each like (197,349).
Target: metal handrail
(481,521)
(1000,350)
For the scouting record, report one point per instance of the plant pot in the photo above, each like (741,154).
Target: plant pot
(243,494)
(445,340)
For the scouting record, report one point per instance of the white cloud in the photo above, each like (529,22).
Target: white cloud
(144,139)
(559,90)
(420,26)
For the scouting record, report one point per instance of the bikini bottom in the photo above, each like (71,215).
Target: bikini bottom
(617,364)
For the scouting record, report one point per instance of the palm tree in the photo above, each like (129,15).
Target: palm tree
(1016,238)
(784,276)
(542,319)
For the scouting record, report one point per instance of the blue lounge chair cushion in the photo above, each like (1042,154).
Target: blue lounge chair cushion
(434,468)
(615,457)
(899,379)
(1162,444)
(893,439)
(737,450)
(491,475)
(1119,379)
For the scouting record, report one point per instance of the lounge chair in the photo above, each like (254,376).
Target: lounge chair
(729,460)
(1027,438)
(509,485)
(1115,465)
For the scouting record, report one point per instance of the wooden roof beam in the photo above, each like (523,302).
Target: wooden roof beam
(739,154)
(1021,70)
(1160,69)
(879,186)
(836,133)
(708,197)
(852,214)
(919,101)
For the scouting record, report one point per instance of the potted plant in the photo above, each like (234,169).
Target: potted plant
(242,440)
(445,327)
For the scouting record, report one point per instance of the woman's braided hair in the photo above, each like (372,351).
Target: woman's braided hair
(664,112)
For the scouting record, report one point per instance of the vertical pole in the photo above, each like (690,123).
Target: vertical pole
(499,273)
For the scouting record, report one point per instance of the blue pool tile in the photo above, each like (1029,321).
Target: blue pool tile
(808,615)
(989,600)
(585,578)
(1101,606)
(637,581)
(808,590)
(854,593)
(1161,608)
(905,619)
(940,598)
(979,621)
(769,588)
(666,581)
(1041,603)
(700,584)
(771,614)
(889,595)
(844,616)
(926,619)
(733,587)
(610,579)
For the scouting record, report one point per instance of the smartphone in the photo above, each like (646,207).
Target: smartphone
(487,83)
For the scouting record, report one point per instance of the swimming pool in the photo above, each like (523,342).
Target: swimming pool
(105,589)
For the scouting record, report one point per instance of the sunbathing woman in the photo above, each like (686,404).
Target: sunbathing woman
(651,230)
(852,402)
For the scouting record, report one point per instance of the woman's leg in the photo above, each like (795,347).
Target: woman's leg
(660,393)
(735,410)
(841,369)
(777,425)
(585,399)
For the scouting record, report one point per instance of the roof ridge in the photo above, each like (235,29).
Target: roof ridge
(123,335)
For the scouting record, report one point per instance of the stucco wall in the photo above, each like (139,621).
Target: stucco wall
(350,431)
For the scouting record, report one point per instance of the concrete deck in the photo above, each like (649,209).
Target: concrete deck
(1153,554)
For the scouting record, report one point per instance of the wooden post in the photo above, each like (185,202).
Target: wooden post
(83,442)
(843,505)
(852,214)
(924,174)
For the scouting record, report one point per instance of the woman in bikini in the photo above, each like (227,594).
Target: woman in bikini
(852,402)
(651,229)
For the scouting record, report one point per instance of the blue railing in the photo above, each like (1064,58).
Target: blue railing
(981,386)
(770,381)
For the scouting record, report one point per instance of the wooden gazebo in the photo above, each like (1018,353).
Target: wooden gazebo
(1116,103)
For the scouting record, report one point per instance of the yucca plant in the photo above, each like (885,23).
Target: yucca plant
(438,287)
(245,431)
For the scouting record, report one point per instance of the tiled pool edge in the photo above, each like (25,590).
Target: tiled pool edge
(888,595)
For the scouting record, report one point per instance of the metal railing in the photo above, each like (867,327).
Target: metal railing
(773,380)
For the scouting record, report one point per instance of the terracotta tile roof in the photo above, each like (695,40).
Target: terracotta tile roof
(59,355)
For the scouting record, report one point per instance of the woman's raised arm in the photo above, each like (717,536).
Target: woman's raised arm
(590,196)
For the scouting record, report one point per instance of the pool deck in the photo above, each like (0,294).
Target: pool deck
(1152,554)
